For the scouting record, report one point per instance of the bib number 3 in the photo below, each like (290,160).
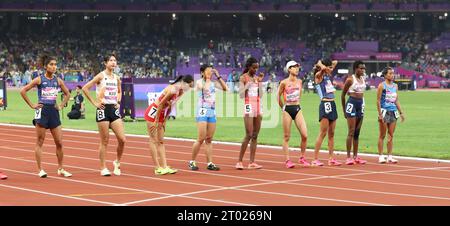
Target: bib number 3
(328,107)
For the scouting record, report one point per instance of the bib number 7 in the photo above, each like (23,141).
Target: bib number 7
(152,112)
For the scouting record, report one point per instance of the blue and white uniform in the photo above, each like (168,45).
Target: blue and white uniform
(389,109)
(48,115)
(325,90)
(206,106)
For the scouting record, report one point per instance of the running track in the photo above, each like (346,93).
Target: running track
(411,182)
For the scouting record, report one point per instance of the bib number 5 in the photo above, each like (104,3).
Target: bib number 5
(248,109)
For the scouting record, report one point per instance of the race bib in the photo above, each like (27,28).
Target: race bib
(117,112)
(248,109)
(328,107)
(202,112)
(37,113)
(397,115)
(383,112)
(329,88)
(349,108)
(100,114)
(253,91)
(152,113)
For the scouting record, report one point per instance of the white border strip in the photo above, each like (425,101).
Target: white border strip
(239,144)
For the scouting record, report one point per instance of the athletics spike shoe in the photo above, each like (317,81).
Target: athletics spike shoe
(334,162)
(117,170)
(381,159)
(212,166)
(160,171)
(289,164)
(193,165)
(42,174)
(239,166)
(105,172)
(303,162)
(390,159)
(254,166)
(358,160)
(3,176)
(170,170)
(350,161)
(316,163)
(62,172)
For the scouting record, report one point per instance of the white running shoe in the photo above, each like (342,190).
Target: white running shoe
(382,159)
(42,174)
(116,171)
(105,172)
(390,159)
(62,172)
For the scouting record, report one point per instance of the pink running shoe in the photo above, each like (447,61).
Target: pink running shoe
(350,161)
(254,166)
(316,163)
(303,162)
(3,176)
(239,166)
(360,161)
(334,162)
(289,164)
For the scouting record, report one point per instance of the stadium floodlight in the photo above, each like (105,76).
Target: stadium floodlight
(445,14)
(336,15)
(343,71)
(174,16)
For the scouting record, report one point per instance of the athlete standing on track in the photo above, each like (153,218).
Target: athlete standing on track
(354,86)
(156,116)
(389,111)
(327,109)
(206,114)
(289,93)
(250,88)
(109,94)
(47,111)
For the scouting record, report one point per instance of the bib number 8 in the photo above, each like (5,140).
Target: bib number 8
(328,107)
(100,114)
(397,115)
(152,112)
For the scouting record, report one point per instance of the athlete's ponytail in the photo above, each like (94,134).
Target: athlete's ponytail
(184,78)
(45,59)
(249,63)
(385,71)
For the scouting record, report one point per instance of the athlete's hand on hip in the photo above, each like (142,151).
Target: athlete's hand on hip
(99,105)
(117,106)
(37,106)
(380,118)
(402,117)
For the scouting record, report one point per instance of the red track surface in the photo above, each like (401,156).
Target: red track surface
(411,182)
